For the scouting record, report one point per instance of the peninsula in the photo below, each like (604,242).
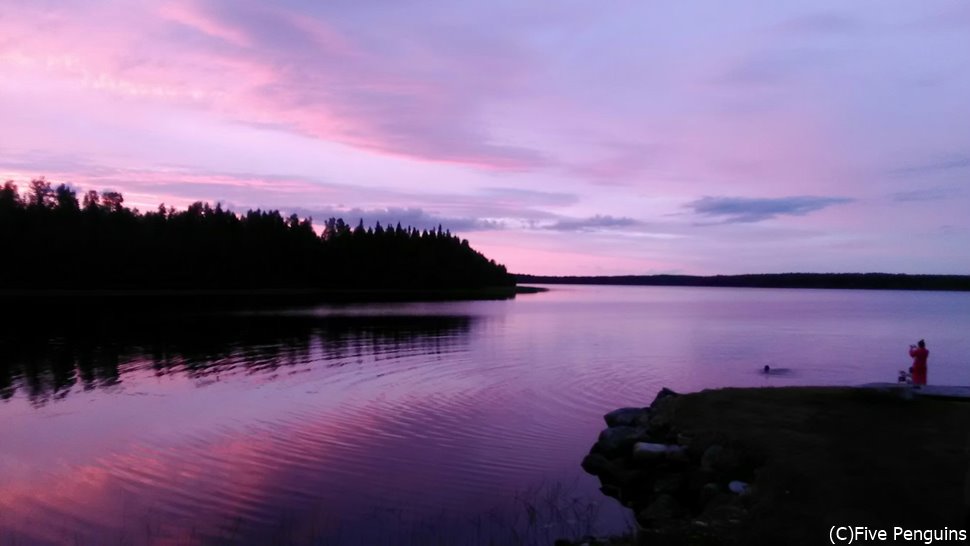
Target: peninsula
(857,281)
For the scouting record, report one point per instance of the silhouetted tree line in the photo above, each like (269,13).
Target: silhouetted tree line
(52,239)
(868,281)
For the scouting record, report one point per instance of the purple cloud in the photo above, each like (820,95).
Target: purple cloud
(951,162)
(926,194)
(412,92)
(729,210)
(592,223)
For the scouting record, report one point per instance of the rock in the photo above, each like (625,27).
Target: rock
(615,441)
(663,508)
(627,417)
(707,494)
(585,541)
(720,459)
(698,478)
(669,483)
(595,464)
(613,472)
(647,451)
(710,455)
(663,394)
(738,487)
(612,491)
(724,513)
(659,421)
(660,429)
(680,456)
(715,504)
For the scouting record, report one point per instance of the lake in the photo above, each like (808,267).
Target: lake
(404,423)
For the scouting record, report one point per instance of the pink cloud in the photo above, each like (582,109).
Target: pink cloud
(268,66)
(188,14)
(635,112)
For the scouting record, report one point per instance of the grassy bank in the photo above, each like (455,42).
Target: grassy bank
(840,457)
(833,456)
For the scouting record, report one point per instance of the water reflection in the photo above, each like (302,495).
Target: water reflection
(396,423)
(145,458)
(49,362)
(357,425)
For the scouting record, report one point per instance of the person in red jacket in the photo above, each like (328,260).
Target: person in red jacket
(919,354)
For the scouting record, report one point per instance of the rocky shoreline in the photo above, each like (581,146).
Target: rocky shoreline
(782,465)
(679,486)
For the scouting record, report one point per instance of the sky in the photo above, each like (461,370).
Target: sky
(559,137)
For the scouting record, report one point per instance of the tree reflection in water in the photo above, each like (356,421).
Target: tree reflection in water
(48,360)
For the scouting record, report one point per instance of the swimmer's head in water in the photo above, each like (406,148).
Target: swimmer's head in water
(767,368)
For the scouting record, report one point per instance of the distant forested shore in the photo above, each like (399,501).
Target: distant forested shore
(53,241)
(866,281)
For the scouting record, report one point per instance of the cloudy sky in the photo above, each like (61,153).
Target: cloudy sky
(559,137)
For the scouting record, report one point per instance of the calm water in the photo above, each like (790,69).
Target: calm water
(454,423)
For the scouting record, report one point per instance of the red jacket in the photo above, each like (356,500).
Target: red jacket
(919,354)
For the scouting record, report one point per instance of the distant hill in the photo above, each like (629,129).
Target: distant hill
(868,281)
